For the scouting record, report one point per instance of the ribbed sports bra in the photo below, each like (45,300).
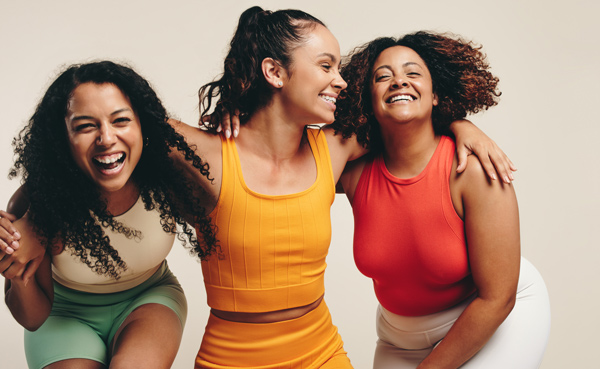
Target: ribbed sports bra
(409,239)
(273,248)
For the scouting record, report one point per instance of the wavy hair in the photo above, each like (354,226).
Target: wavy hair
(459,72)
(66,206)
(260,34)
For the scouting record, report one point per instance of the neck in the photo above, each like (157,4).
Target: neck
(120,201)
(408,147)
(272,134)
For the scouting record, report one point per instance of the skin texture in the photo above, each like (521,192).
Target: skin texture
(488,207)
(100,121)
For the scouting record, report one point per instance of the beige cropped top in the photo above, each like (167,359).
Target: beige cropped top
(143,255)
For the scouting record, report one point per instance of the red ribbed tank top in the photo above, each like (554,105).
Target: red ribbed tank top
(409,239)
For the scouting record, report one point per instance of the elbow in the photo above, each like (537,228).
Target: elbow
(505,305)
(32,326)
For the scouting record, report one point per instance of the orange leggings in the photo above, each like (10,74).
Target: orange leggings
(308,342)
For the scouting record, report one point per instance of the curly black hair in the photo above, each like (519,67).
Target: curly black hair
(66,206)
(459,72)
(260,34)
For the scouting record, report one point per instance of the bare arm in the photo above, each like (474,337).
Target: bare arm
(471,140)
(30,302)
(208,147)
(489,209)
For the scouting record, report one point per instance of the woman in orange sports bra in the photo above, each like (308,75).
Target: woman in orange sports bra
(273,187)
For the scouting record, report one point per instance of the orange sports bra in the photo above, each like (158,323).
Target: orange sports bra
(273,248)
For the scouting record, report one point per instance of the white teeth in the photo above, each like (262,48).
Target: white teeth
(109,159)
(401,98)
(328,98)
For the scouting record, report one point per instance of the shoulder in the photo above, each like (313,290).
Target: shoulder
(473,186)
(349,148)
(351,176)
(342,150)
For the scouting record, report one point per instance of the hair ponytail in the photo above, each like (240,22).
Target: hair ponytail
(260,34)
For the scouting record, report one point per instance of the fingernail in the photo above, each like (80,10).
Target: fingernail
(219,129)
(25,281)
(227,133)
(506,179)
(9,250)
(494,177)
(14,245)
(512,178)
(235,132)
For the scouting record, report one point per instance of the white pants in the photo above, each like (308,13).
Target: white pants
(518,343)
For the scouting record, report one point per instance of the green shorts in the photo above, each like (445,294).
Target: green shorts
(82,325)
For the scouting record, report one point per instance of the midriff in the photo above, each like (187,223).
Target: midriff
(269,316)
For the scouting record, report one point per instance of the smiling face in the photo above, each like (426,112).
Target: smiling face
(401,87)
(314,80)
(105,136)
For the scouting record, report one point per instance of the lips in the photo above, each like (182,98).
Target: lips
(109,164)
(328,98)
(401,97)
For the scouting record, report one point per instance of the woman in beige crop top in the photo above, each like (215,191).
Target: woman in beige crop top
(104,201)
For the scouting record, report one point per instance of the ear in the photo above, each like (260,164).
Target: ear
(435,100)
(273,71)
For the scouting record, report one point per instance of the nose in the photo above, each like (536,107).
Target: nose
(398,82)
(339,82)
(107,136)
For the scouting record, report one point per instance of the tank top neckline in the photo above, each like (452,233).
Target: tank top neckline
(238,167)
(380,165)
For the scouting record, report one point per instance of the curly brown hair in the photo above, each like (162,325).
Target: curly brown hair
(459,72)
(260,34)
(66,206)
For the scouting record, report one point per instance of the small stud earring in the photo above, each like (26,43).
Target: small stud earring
(280,84)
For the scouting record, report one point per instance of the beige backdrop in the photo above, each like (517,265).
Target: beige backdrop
(545,53)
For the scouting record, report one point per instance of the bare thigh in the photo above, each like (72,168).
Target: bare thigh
(148,338)
(76,364)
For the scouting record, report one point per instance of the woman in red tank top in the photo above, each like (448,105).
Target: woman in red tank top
(442,248)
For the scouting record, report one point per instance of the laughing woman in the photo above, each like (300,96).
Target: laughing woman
(105,202)
(442,248)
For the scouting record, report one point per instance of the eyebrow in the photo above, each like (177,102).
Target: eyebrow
(403,65)
(329,55)
(85,117)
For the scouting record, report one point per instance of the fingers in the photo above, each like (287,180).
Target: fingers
(226,123)
(9,269)
(235,123)
(496,164)
(229,124)
(462,153)
(7,243)
(9,235)
(9,216)
(503,165)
